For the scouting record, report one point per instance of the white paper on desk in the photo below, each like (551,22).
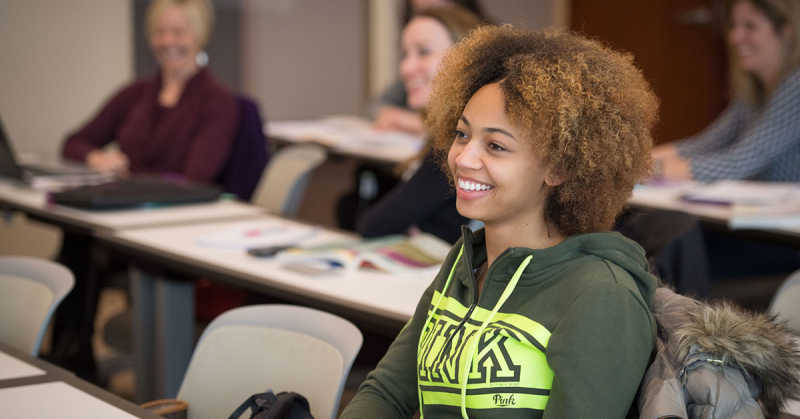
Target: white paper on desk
(357,133)
(346,133)
(783,216)
(54,400)
(771,206)
(60,182)
(395,254)
(300,131)
(11,367)
(659,192)
(746,193)
(258,236)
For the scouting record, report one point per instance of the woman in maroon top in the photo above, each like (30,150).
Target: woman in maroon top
(180,121)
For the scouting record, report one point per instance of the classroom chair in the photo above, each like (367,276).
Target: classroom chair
(285,178)
(276,347)
(786,302)
(30,291)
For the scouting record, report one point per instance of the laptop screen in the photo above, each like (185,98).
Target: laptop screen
(8,162)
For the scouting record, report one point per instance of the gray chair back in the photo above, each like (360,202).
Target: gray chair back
(786,302)
(286,177)
(30,291)
(251,349)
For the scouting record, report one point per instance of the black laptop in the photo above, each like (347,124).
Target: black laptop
(136,192)
(58,174)
(88,189)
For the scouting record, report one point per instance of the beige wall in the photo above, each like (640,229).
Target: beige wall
(530,14)
(384,41)
(60,61)
(305,58)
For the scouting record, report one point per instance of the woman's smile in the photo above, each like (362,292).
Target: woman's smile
(468,189)
(498,175)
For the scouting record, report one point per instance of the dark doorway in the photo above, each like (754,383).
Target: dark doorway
(680,46)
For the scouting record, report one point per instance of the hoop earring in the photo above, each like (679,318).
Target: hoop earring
(201,59)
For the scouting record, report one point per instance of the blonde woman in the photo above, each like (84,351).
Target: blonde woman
(758,136)
(180,121)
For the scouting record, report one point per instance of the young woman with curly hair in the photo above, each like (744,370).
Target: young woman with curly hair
(544,312)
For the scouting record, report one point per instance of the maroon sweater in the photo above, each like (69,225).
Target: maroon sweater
(191,139)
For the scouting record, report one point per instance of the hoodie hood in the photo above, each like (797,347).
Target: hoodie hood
(609,246)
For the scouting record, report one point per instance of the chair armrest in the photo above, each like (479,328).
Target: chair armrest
(168,408)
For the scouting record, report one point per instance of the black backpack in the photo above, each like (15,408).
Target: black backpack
(286,405)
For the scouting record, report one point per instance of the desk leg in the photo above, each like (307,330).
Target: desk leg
(143,296)
(174,332)
(163,333)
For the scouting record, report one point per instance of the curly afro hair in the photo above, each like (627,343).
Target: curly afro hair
(587,109)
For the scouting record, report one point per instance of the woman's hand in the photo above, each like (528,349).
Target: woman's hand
(677,168)
(671,168)
(392,118)
(668,164)
(113,161)
(664,151)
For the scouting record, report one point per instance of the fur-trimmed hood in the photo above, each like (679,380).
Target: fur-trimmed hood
(766,351)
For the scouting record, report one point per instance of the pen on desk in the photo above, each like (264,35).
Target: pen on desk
(706,201)
(333,263)
(267,251)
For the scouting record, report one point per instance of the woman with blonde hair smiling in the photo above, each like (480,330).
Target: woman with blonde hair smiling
(544,312)
(758,136)
(180,122)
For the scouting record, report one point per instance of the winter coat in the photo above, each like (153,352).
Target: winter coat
(717,361)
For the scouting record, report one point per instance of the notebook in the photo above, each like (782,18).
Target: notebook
(51,175)
(136,191)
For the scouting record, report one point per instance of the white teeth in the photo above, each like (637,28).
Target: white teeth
(472,186)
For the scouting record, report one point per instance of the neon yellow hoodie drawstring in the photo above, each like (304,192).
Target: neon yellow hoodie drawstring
(428,319)
(503,297)
(474,345)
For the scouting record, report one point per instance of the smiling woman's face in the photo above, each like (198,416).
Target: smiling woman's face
(756,43)
(499,178)
(425,42)
(174,42)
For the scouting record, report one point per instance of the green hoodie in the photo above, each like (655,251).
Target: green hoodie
(572,338)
